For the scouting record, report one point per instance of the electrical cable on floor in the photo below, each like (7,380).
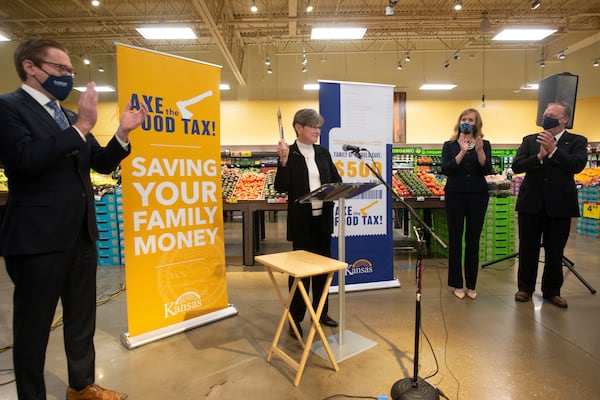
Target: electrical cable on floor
(58,322)
(348,396)
(10,381)
(103,300)
(6,348)
(99,301)
(446,341)
(509,266)
(437,365)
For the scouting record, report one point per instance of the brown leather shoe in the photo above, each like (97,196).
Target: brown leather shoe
(557,301)
(522,296)
(94,392)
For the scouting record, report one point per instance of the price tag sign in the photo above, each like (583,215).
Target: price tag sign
(591,210)
(354,169)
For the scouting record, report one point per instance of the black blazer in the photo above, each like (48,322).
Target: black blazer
(50,194)
(293,179)
(550,184)
(469,175)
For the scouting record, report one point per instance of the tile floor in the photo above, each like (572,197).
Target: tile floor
(488,348)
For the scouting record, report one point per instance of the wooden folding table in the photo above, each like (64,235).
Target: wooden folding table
(300,264)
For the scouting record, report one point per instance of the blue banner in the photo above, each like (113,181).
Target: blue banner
(361,115)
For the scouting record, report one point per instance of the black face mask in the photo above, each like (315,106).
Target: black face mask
(58,86)
(549,123)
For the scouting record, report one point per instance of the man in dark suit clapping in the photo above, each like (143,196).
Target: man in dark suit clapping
(48,232)
(547,201)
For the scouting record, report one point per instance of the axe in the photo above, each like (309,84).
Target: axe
(185,114)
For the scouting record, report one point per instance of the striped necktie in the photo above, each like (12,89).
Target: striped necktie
(59,115)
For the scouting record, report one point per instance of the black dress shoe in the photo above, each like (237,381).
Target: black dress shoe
(292,333)
(557,301)
(522,296)
(326,320)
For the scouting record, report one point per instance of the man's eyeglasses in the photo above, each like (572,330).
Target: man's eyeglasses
(64,70)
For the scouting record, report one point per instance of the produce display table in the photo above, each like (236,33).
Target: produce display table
(250,232)
(249,222)
(425,202)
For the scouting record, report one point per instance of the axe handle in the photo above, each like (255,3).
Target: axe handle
(196,99)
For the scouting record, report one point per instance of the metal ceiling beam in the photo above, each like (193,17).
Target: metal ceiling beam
(204,11)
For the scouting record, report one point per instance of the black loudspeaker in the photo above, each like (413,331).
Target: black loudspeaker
(555,89)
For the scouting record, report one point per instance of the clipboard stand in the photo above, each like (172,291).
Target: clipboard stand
(346,343)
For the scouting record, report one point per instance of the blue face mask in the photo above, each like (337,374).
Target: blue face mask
(58,86)
(466,128)
(549,123)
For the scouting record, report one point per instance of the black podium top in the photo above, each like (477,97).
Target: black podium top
(334,191)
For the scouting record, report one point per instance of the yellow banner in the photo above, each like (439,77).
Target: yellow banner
(172,206)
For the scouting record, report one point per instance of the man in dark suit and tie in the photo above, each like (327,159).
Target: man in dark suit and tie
(48,232)
(547,201)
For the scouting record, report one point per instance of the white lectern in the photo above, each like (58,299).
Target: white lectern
(346,343)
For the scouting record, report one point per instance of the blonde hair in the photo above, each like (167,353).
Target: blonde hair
(477,129)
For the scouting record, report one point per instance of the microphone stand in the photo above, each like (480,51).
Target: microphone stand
(415,387)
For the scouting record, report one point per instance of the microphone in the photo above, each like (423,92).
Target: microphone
(350,147)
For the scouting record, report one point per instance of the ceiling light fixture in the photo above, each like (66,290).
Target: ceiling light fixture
(304,61)
(596,62)
(95,3)
(86,59)
(562,55)
(524,33)
(407,57)
(269,70)
(542,64)
(98,88)
(535,5)
(437,86)
(337,33)
(457,5)
(100,68)
(530,86)
(456,55)
(253,6)
(309,6)
(485,25)
(311,86)
(446,64)
(224,86)
(399,65)
(4,38)
(389,10)
(267,60)
(164,32)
